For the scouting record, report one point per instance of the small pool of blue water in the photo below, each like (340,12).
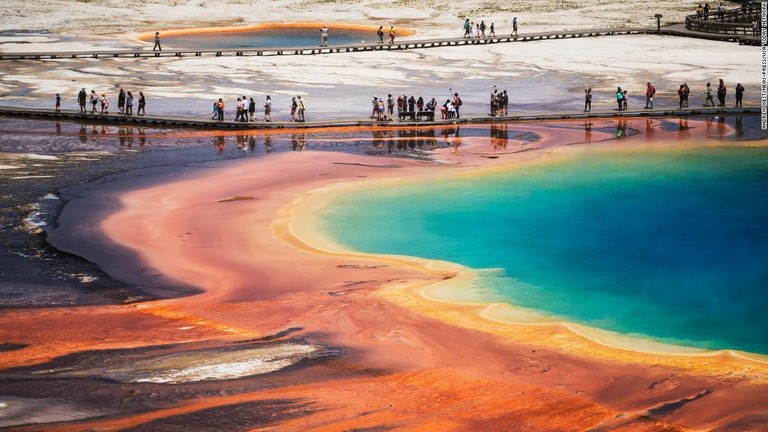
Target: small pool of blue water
(670,245)
(267,38)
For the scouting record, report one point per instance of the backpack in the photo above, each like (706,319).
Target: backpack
(458,101)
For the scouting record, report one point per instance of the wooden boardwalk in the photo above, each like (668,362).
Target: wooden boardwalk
(405,44)
(206,123)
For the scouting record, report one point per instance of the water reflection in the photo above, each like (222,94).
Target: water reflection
(499,136)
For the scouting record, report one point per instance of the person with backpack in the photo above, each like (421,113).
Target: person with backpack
(467,28)
(457,104)
(650,91)
(390,107)
(620,98)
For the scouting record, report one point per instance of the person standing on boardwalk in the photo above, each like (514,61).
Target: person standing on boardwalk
(81,99)
(650,91)
(246,107)
(739,94)
(121,101)
(324,36)
(456,104)
(391,34)
(104,104)
(94,101)
(380,34)
(588,99)
(58,102)
(620,98)
(220,109)
(681,95)
(482,28)
(504,103)
(129,104)
(301,109)
(268,109)
(252,110)
(390,107)
(709,96)
(493,32)
(721,93)
(514,26)
(142,103)
(686,92)
(157,42)
(467,28)
(294,105)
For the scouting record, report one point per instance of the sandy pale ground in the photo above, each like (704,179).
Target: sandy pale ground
(240,232)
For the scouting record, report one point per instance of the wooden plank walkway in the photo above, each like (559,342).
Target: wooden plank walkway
(674,30)
(206,123)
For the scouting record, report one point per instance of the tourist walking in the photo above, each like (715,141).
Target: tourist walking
(620,98)
(650,91)
(380,34)
(588,99)
(268,109)
(721,93)
(457,104)
(157,42)
(709,96)
(94,101)
(493,31)
(482,28)
(246,107)
(142,104)
(215,110)
(467,28)
(239,110)
(681,95)
(121,101)
(301,109)
(58,102)
(391,34)
(739,94)
(252,109)
(294,106)
(129,104)
(514,26)
(81,100)
(686,92)
(324,36)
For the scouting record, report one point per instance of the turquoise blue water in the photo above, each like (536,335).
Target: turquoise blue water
(667,245)
(267,38)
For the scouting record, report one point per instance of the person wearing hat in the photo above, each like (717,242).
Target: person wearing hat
(81,99)
(157,42)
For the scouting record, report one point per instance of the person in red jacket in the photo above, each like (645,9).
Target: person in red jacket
(650,91)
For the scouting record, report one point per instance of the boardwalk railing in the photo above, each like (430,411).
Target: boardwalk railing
(695,27)
(731,22)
